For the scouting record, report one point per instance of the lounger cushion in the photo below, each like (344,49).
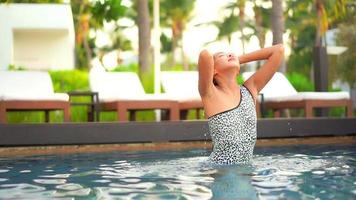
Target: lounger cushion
(181,85)
(114,86)
(145,97)
(279,89)
(294,97)
(28,85)
(34,97)
(324,95)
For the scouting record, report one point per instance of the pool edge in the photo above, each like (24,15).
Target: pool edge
(161,146)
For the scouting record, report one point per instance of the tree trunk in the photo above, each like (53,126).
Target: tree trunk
(88,52)
(143,36)
(185,61)
(175,35)
(278,27)
(261,33)
(277,30)
(241,5)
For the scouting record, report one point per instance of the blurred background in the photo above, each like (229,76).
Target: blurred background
(68,38)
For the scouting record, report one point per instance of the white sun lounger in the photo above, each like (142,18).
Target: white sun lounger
(123,92)
(183,87)
(280,94)
(30,91)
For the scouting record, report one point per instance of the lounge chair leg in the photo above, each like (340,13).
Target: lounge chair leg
(66,113)
(46,116)
(174,113)
(183,114)
(258,110)
(164,114)
(121,113)
(277,113)
(349,109)
(90,114)
(308,111)
(2,113)
(132,115)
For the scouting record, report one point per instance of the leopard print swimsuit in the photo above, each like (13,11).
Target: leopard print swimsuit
(234,132)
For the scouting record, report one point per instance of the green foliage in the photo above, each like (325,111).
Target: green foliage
(72,80)
(228,26)
(69,80)
(175,11)
(107,11)
(16,68)
(300,82)
(166,43)
(132,67)
(91,15)
(82,62)
(31,1)
(300,19)
(192,67)
(346,65)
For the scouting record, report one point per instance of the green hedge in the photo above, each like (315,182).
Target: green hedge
(300,82)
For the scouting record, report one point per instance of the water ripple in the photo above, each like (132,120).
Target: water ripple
(286,173)
(50,181)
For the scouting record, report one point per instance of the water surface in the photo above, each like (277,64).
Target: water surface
(293,172)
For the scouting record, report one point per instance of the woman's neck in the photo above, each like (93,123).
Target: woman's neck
(226,79)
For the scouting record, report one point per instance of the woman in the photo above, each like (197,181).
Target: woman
(230,108)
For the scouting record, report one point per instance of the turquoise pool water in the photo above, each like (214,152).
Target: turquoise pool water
(294,172)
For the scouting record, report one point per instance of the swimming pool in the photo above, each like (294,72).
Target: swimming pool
(289,172)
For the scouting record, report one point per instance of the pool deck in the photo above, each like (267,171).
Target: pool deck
(35,139)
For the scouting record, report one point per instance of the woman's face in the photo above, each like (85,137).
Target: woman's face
(226,61)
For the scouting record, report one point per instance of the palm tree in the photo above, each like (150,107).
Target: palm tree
(277,23)
(81,15)
(261,23)
(176,14)
(119,43)
(307,21)
(241,6)
(91,15)
(227,27)
(230,26)
(144,35)
(337,9)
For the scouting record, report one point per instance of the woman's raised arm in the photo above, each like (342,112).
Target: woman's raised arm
(206,72)
(258,80)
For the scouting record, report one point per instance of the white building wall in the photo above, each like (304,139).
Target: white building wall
(37,36)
